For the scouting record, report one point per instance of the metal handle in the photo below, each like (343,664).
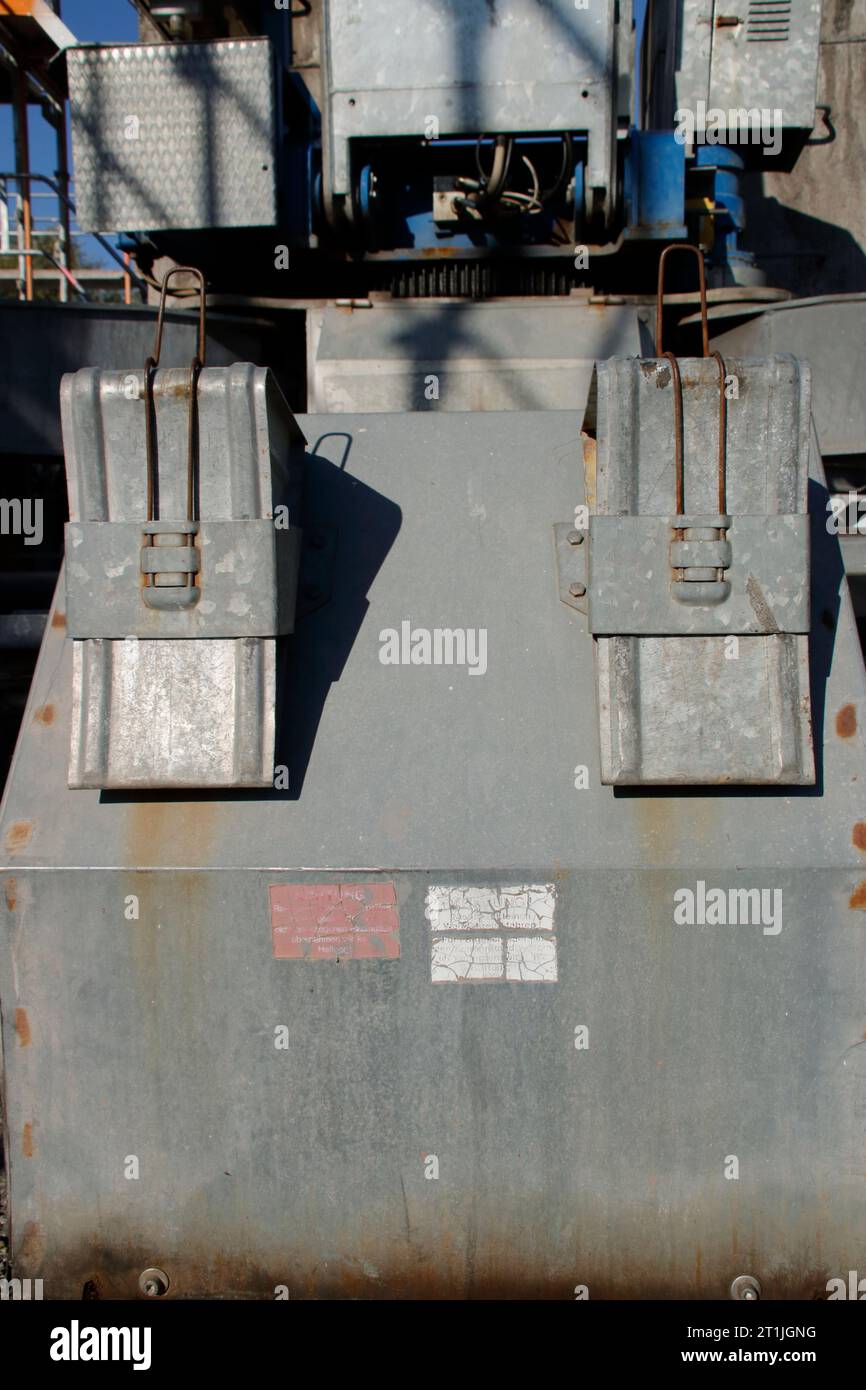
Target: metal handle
(722,487)
(150,366)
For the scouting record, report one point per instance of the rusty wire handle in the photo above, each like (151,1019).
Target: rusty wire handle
(723,436)
(660,296)
(181,270)
(722,482)
(150,367)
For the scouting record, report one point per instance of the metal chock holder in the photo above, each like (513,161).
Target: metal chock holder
(700,553)
(170,559)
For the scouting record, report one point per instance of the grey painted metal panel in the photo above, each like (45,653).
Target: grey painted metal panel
(604,1167)
(305,1167)
(830,334)
(447,520)
(173,135)
(524,355)
(519,65)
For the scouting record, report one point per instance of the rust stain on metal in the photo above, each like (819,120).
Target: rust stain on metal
(394,821)
(31,1252)
(59,619)
(858,836)
(27,1140)
(590,466)
(170,832)
(858,897)
(18,835)
(10,889)
(44,714)
(335,921)
(109,1269)
(846,722)
(22,1028)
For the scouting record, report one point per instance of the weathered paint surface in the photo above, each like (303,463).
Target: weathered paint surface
(558,1164)
(335,921)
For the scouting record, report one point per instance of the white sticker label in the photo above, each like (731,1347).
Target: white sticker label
(511,954)
(528,908)
(467,958)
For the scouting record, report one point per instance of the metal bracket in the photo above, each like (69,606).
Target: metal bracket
(246,579)
(316,577)
(636,589)
(571,547)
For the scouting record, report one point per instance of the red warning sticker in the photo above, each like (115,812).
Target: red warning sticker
(335,921)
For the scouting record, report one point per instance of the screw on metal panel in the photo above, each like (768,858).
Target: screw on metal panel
(745,1287)
(575,538)
(153,1282)
(577,590)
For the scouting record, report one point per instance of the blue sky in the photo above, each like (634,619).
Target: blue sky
(108,21)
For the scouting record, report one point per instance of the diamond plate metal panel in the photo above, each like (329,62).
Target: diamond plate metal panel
(173,136)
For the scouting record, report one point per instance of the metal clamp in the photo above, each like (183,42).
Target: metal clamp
(169,558)
(700,552)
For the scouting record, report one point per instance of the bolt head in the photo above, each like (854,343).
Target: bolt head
(577,590)
(746,1288)
(575,538)
(153,1282)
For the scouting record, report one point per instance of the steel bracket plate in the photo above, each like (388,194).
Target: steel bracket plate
(570,564)
(630,579)
(247,580)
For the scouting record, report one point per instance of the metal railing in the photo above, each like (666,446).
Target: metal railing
(28,236)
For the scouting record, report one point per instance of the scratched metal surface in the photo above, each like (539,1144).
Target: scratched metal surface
(558,1167)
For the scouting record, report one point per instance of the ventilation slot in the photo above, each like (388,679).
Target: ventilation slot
(769,21)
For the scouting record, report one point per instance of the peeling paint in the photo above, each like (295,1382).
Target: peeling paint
(335,921)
